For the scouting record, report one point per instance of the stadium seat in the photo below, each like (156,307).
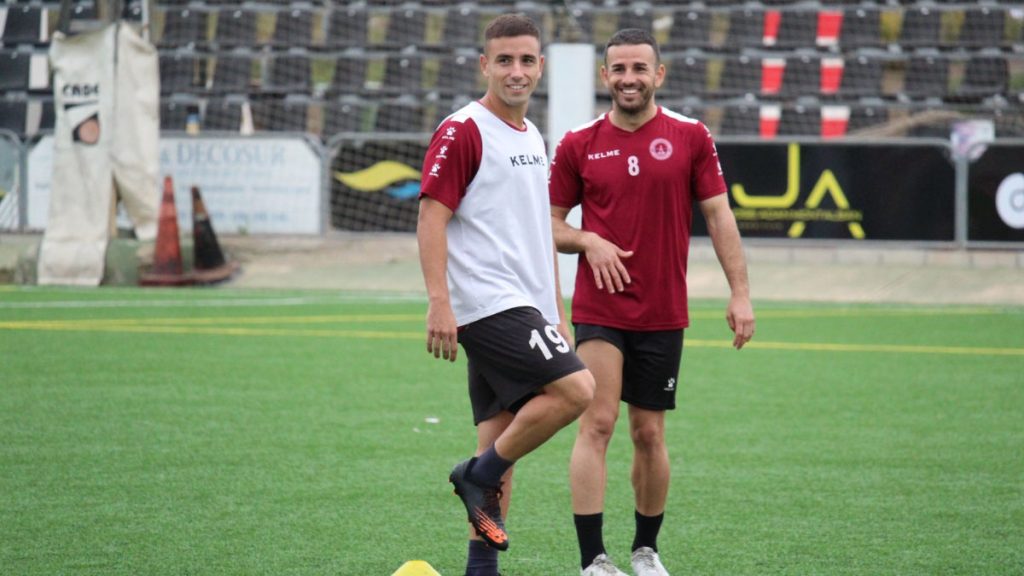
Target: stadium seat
(294,28)
(638,16)
(926,77)
(406,27)
(800,121)
(861,28)
(289,74)
(862,76)
(742,120)
(458,74)
(47,116)
(834,120)
(462,27)
(231,74)
(181,73)
(691,109)
(983,26)
(23,25)
(342,116)
(802,76)
(401,116)
(538,14)
(685,76)
(921,27)
(223,115)
(403,74)
(746,28)
(864,117)
(984,76)
(690,29)
(349,75)
(184,27)
(577,24)
(740,75)
(280,115)
(132,11)
(235,28)
(798,28)
(174,114)
(14,71)
(12,115)
(347,27)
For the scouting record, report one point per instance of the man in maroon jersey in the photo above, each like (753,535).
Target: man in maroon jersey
(636,171)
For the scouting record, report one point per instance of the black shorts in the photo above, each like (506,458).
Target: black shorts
(650,371)
(511,355)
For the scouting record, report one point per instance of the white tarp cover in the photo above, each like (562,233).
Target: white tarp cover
(106,91)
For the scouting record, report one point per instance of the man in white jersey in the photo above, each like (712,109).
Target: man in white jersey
(488,261)
(637,172)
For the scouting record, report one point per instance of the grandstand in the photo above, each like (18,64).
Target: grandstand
(344,74)
(402,66)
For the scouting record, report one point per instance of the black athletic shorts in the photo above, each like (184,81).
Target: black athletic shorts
(511,355)
(650,371)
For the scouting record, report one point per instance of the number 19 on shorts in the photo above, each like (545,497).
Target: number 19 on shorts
(537,341)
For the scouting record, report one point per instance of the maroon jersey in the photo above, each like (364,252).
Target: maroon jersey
(637,190)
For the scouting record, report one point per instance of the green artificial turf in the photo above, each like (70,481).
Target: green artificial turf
(208,432)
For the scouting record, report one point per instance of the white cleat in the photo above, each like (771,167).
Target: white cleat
(647,563)
(602,566)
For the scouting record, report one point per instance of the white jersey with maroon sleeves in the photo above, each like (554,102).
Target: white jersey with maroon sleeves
(493,176)
(637,190)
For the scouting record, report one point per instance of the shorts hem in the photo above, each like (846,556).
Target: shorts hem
(532,391)
(647,406)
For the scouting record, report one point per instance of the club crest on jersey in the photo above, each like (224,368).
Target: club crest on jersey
(661,149)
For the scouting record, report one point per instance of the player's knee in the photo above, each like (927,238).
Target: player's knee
(598,428)
(578,392)
(648,436)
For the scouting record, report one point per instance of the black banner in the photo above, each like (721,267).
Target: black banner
(839,191)
(995,197)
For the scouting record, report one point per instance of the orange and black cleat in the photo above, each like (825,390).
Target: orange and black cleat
(483,504)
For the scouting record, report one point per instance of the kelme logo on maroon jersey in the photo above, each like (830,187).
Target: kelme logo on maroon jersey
(661,149)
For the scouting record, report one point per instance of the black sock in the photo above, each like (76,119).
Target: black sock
(588,532)
(488,468)
(482,560)
(647,528)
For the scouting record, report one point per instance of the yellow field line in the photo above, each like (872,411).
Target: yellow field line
(136,326)
(855,313)
(883,348)
(217,331)
(242,320)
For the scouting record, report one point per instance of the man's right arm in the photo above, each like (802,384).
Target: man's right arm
(565,187)
(604,257)
(432,237)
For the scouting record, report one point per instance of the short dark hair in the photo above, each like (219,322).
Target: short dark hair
(633,37)
(511,25)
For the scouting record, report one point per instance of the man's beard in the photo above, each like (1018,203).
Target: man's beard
(638,107)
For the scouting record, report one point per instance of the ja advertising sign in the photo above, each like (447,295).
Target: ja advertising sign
(899,191)
(249,184)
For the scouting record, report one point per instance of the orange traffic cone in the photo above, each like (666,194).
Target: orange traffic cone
(210,265)
(167,268)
